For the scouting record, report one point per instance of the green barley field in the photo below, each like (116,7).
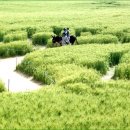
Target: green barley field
(73,95)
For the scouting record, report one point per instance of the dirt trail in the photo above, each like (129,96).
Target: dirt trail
(109,74)
(14,81)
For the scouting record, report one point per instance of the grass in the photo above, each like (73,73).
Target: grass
(49,62)
(67,108)
(1,36)
(41,38)
(123,69)
(30,31)
(79,84)
(14,49)
(74,96)
(14,37)
(94,16)
(101,39)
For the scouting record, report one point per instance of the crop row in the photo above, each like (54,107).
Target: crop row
(85,35)
(54,65)
(88,107)
(123,69)
(15,48)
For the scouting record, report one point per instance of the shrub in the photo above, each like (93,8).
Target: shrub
(57,30)
(87,76)
(93,31)
(78,88)
(126,30)
(125,58)
(44,75)
(100,38)
(69,62)
(1,36)
(14,37)
(100,65)
(15,48)
(122,71)
(49,43)
(115,58)
(53,74)
(2,86)
(30,31)
(118,33)
(78,32)
(30,64)
(40,38)
(85,33)
(126,38)
(59,63)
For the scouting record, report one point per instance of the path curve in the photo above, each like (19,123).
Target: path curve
(109,75)
(13,80)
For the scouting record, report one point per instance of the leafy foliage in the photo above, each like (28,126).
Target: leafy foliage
(75,106)
(57,30)
(123,69)
(40,38)
(30,31)
(78,100)
(93,31)
(101,39)
(48,66)
(1,35)
(15,48)
(126,38)
(14,37)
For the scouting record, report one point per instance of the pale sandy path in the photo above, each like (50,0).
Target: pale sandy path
(14,81)
(109,74)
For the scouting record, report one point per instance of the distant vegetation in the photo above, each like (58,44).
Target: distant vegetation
(73,96)
(95,19)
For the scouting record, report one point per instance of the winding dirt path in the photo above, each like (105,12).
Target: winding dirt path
(14,81)
(110,73)
(17,82)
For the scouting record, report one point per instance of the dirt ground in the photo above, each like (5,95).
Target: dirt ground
(14,81)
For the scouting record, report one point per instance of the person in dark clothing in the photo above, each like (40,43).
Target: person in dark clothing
(66,36)
(68,33)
